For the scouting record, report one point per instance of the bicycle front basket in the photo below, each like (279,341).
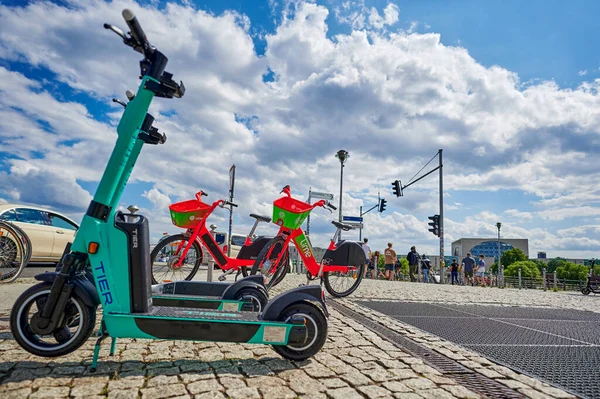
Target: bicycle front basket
(188,214)
(289,212)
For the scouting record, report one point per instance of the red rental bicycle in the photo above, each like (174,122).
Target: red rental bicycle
(342,266)
(178,257)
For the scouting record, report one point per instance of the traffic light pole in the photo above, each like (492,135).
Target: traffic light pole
(361,215)
(441,222)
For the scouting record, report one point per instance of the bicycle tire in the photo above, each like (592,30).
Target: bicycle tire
(177,237)
(258,265)
(358,276)
(11,251)
(26,242)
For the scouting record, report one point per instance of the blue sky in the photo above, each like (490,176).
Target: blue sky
(521,175)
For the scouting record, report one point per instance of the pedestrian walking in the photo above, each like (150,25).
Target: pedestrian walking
(413,263)
(454,271)
(468,265)
(425,266)
(390,260)
(480,275)
(374,264)
(367,250)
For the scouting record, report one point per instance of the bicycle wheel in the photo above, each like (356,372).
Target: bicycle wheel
(341,284)
(26,241)
(266,262)
(12,254)
(165,256)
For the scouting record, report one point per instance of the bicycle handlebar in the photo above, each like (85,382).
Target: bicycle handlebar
(331,206)
(199,195)
(230,203)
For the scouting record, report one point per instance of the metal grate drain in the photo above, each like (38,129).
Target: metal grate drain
(554,345)
(476,382)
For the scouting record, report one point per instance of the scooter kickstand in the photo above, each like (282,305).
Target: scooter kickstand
(103,334)
(113,346)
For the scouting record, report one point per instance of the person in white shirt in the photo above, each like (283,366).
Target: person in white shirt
(367,250)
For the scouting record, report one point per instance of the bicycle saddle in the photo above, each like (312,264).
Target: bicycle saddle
(342,226)
(261,218)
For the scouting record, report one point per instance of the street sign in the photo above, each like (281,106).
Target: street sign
(318,195)
(356,219)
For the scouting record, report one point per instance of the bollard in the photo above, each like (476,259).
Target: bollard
(555,283)
(209,273)
(544,277)
(519,278)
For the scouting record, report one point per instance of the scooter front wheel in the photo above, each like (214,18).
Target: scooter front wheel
(586,291)
(316,331)
(77,323)
(258,299)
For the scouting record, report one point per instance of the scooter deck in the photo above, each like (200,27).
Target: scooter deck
(198,302)
(198,288)
(198,325)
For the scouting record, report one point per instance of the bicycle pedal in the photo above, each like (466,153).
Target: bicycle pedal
(222,278)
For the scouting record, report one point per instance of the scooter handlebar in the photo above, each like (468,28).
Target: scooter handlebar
(137,33)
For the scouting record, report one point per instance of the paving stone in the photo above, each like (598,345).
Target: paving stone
(439,380)
(205,386)
(90,380)
(460,392)
(355,378)
(306,385)
(123,394)
(162,380)
(232,383)
(333,383)
(163,392)
(265,382)
(210,395)
(403,374)
(512,384)
(534,394)
(396,386)
(192,377)
(407,395)
(424,369)
(51,382)
(126,383)
(277,392)
(164,371)
(243,393)
(489,373)
(255,369)
(374,391)
(17,393)
(50,392)
(88,390)
(279,364)
(319,371)
(419,383)
(344,393)
(187,366)
(437,393)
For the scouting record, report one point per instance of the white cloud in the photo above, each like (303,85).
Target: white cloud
(390,98)
(583,72)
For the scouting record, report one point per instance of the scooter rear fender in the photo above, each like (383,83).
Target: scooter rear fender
(306,293)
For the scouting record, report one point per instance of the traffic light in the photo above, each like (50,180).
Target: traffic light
(397,187)
(435,224)
(382,203)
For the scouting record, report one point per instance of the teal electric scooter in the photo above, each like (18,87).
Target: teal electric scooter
(56,316)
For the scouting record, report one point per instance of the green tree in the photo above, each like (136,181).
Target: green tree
(572,271)
(555,263)
(511,256)
(528,269)
(540,265)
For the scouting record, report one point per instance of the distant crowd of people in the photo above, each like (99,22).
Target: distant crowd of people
(469,271)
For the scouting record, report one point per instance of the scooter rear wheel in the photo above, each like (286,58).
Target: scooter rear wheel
(316,331)
(586,291)
(76,327)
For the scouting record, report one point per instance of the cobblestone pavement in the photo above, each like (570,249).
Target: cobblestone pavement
(354,363)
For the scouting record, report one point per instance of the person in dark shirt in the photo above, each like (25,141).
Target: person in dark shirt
(454,270)
(413,263)
(425,266)
(468,264)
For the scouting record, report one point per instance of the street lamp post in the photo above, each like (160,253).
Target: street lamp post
(343,156)
(500,271)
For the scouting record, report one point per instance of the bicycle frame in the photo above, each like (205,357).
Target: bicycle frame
(201,234)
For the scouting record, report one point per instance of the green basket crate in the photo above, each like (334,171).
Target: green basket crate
(188,214)
(290,213)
